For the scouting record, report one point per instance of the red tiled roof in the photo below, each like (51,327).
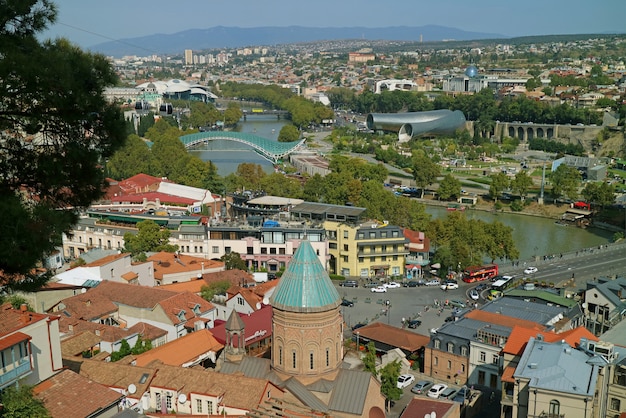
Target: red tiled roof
(171,263)
(233,276)
(419,407)
(11,340)
(503,320)
(393,336)
(182,350)
(520,335)
(67,394)
(186,301)
(257,326)
(507,375)
(153,196)
(12,320)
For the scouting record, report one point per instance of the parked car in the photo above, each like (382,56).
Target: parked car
(474,294)
(405,380)
(422,386)
(414,323)
(436,390)
(392,285)
(369,285)
(357,326)
(457,303)
(414,283)
(349,283)
(379,289)
(346,302)
(462,395)
(448,393)
(432,282)
(449,286)
(530,270)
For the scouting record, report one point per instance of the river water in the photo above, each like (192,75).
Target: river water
(533,236)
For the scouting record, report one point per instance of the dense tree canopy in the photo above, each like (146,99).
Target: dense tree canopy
(19,402)
(565,181)
(149,237)
(57,128)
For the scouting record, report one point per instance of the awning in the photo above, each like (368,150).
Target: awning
(413,266)
(436,266)
(381,267)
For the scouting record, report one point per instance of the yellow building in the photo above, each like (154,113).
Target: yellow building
(367,250)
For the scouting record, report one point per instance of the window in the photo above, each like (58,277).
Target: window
(384,248)
(615,404)
(281,251)
(449,364)
(240,300)
(209,406)
(464,351)
(345,234)
(199,406)
(436,361)
(450,348)
(332,245)
(157,398)
(249,250)
(345,247)
(168,402)
(372,235)
(495,358)
(327,357)
(227,250)
(311,364)
(383,234)
(215,249)
(437,344)
(345,258)
(360,235)
(263,250)
(280,356)
(272,250)
(383,258)
(394,234)
(293,359)
(361,259)
(555,407)
(483,356)
(462,368)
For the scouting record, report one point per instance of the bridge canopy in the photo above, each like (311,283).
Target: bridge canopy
(271,150)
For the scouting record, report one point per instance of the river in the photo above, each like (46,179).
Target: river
(535,236)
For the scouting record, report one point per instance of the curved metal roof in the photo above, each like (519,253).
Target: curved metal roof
(305,285)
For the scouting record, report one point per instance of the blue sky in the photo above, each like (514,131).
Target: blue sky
(88,23)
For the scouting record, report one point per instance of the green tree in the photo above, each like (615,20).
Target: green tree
(369,359)
(216,288)
(56,130)
(133,158)
(122,352)
(150,237)
(522,184)
(389,381)
(19,402)
(425,172)
(499,183)
(288,133)
(449,187)
(565,181)
(141,346)
(232,114)
(233,261)
(599,193)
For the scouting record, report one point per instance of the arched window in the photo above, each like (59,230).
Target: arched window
(555,407)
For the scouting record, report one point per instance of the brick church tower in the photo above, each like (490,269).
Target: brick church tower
(307,338)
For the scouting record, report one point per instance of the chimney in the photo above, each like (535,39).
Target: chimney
(24,316)
(24,307)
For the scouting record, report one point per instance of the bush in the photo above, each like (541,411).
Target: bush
(517,206)
(336,277)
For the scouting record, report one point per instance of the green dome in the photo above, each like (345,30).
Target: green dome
(305,285)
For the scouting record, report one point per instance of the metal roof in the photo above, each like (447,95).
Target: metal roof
(350,391)
(326,211)
(305,285)
(557,367)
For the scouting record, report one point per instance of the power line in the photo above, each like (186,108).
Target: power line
(109,38)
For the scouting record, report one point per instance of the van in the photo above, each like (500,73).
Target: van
(349,283)
(529,286)
(448,393)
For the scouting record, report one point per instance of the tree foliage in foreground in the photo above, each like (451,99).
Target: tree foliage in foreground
(150,237)
(389,381)
(56,129)
(21,403)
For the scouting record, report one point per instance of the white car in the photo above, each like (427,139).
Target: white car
(530,270)
(449,286)
(392,285)
(432,283)
(436,390)
(405,380)
(474,294)
(379,289)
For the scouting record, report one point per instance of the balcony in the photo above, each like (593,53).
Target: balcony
(15,374)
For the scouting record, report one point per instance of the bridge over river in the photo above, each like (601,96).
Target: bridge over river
(273,151)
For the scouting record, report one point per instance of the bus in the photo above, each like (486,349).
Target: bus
(503,284)
(478,273)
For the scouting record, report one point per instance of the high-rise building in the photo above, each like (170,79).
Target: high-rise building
(188,57)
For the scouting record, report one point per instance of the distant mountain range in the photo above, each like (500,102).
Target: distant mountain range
(235,37)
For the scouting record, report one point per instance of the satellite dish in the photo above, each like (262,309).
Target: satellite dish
(584,305)
(433,414)
(182,398)
(266,300)
(258,305)
(132,388)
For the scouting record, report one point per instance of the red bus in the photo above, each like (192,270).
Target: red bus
(478,273)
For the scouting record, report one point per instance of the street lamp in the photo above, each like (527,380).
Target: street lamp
(358,348)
